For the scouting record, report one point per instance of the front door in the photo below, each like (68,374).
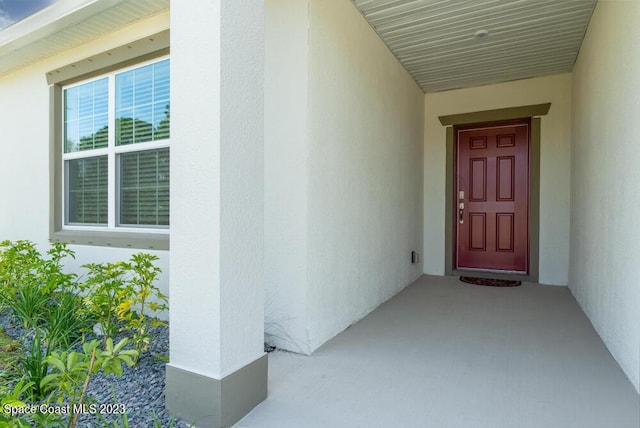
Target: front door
(492,197)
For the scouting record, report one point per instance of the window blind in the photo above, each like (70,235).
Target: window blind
(87,190)
(144,188)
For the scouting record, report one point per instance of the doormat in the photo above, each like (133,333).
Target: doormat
(490,282)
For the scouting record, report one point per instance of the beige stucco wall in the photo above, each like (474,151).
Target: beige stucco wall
(343,183)
(554,165)
(365,171)
(605,198)
(24,164)
(286,172)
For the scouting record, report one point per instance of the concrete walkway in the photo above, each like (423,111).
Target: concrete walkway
(445,354)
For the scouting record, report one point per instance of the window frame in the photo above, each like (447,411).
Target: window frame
(121,59)
(112,152)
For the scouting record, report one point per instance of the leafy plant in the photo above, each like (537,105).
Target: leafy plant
(69,371)
(48,420)
(65,321)
(17,264)
(141,294)
(104,292)
(13,398)
(11,401)
(112,357)
(120,295)
(34,365)
(163,358)
(72,371)
(58,310)
(28,304)
(22,264)
(50,270)
(28,281)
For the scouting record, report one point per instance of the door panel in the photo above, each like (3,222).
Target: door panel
(478,180)
(477,231)
(492,190)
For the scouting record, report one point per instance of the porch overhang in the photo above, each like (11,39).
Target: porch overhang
(64,25)
(452,45)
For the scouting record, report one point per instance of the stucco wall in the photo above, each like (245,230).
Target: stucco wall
(349,246)
(24,164)
(286,172)
(605,261)
(554,165)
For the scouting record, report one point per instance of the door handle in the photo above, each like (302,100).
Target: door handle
(461,212)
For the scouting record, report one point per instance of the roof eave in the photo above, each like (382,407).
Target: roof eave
(48,21)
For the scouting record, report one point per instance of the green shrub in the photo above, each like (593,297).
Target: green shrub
(120,295)
(58,310)
(28,304)
(104,290)
(22,264)
(66,321)
(15,398)
(72,371)
(18,262)
(28,281)
(140,296)
(50,271)
(34,365)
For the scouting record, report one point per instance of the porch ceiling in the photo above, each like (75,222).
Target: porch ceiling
(66,24)
(435,42)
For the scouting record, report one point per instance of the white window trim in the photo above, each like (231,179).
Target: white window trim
(111,151)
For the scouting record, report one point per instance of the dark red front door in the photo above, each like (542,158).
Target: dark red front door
(492,197)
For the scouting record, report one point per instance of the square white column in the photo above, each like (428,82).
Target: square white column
(217,370)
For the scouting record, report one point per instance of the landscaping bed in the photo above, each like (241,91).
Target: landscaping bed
(140,389)
(81,350)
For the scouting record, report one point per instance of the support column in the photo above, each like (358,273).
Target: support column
(217,371)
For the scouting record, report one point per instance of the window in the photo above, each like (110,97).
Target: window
(115,151)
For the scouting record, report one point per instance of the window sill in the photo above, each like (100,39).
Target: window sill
(136,240)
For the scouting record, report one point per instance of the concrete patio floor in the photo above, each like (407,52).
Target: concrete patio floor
(447,354)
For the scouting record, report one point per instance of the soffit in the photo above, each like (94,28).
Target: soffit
(434,40)
(66,24)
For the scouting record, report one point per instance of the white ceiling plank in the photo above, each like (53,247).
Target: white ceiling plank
(434,39)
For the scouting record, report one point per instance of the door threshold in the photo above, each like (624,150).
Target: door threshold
(494,274)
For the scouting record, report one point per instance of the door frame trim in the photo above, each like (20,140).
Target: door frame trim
(522,112)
